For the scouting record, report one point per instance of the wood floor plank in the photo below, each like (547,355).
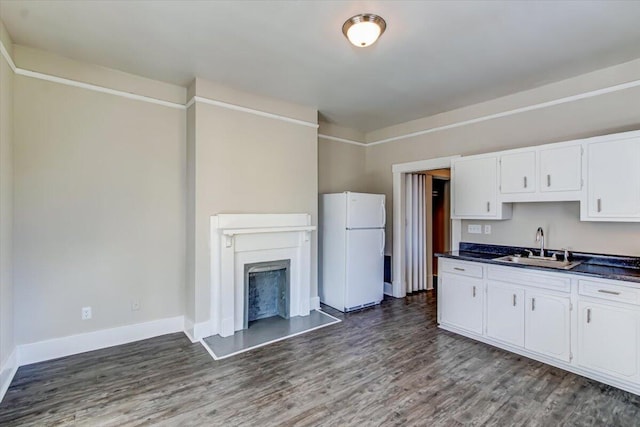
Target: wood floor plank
(382,366)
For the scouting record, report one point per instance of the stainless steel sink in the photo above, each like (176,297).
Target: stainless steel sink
(538,262)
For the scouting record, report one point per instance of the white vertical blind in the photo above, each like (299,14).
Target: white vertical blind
(409,232)
(415,260)
(416,232)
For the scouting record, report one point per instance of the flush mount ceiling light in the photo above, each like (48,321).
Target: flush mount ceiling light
(363,30)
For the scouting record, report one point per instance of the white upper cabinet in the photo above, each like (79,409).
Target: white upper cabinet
(518,172)
(603,173)
(475,189)
(561,169)
(613,181)
(546,173)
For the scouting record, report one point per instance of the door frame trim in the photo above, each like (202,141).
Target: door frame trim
(399,170)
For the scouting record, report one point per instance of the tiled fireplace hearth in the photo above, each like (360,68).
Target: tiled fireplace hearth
(239,242)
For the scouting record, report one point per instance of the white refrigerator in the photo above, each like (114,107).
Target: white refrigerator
(351,250)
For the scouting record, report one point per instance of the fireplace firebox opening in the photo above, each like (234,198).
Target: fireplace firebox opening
(266,290)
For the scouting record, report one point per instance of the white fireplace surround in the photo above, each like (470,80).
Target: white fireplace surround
(239,239)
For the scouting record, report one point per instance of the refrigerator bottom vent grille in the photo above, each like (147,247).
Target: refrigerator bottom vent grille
(358,307)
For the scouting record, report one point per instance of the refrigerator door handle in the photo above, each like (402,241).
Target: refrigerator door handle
(382,242)
(384,214)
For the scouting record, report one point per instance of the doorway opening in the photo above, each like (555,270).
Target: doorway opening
(440,217)
(428,226)
(402,251)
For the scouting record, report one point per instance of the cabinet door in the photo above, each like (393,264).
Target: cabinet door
(608,339)
(505,313)
(548,325)
(461,302)
(613,179)
(517,173)
(561,169)
(475,183)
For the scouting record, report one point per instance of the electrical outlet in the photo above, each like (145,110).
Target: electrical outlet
(474,229)
(487,229)
(135,305)
(86,313)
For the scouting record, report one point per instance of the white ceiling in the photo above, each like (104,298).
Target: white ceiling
(434,56)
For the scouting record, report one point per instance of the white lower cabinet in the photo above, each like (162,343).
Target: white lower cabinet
(548,325)
(461,302)
(529,318)
(608,339)
(589,326)
(505,313)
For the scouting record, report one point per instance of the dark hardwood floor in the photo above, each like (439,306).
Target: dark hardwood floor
(388,365)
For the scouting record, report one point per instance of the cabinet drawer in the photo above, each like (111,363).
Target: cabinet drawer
(464,268)
(609,291)
(520,276)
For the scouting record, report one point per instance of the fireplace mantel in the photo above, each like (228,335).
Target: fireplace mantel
(237,239)
(234,231)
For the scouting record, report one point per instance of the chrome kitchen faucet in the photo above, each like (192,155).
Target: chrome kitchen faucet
(540,238)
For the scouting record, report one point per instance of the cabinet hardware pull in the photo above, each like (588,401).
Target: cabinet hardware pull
(588,315)
(548,180)
(488,206)
(474,291)
(458,268)
(525,182)
(599,205)
(514,300)
(533,304)
(604,291)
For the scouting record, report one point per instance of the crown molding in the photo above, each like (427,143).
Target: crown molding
(7,57)
(533,107)
(249,110)
(148,99)
(346,141)
(96,88)
(541,105)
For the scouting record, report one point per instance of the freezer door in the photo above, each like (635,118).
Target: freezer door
(365,267)
(365,210)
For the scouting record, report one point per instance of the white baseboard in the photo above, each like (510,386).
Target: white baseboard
(188,329)
(388,289)
(74,344)
(314,303)
(201,330)
(7,372)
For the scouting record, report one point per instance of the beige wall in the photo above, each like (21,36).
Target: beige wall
(562,229)
(246,163)
(613,112)
(340,167)
(100,201)
(7,341)
(113,196)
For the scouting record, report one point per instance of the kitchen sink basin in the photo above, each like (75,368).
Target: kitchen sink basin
(538,262)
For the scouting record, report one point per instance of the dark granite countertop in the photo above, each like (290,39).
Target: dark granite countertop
(603,266)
